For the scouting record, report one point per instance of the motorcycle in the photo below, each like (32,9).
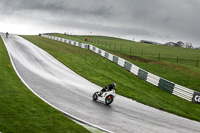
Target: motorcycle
(107,97)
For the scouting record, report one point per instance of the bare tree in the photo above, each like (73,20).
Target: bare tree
(188,45)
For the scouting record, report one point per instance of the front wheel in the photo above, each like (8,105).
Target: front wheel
(109,100)
(95,96)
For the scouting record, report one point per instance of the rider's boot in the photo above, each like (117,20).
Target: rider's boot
(99,94)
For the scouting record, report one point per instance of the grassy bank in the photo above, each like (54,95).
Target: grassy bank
(21,111)
(184,73)
(102,72)
(177,55)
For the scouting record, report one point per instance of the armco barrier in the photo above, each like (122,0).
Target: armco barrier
(121,62)
(91,47)
(162,83)
(166,85)
(115,59)
(99,51)
(94,49)
(183,92)
(153,79)
(110,57)
(103,53)
(127,65)
(142,74)
(134,69)
(106,55)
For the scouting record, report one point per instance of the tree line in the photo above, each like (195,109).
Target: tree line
(180,44)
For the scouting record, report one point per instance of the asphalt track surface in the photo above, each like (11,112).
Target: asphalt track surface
(68,91)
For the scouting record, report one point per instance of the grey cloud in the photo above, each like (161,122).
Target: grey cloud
(76,7)
(153,18)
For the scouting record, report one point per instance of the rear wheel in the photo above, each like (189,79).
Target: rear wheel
(95,96)
(109,100)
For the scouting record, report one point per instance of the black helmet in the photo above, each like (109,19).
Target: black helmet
(113,84)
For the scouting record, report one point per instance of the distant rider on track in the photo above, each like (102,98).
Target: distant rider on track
(7,34)
(107,88)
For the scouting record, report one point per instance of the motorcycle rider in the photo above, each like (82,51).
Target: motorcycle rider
(107,88)
(7,34)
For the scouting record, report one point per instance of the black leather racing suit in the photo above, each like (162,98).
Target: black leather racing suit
(107,88)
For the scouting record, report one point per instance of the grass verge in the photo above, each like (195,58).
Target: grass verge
(102,72)
(21,111)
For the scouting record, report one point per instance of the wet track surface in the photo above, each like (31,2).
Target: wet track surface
(68,91)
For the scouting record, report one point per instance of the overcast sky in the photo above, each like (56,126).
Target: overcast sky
(155,20)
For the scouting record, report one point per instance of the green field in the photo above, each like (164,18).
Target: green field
(23,112)
(184,56)
(102,72)
(184,74)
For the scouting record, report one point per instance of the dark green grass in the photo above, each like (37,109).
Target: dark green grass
(23,112)
(102,72)
(184,75)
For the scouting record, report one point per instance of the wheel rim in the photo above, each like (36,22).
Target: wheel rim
(109,100)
